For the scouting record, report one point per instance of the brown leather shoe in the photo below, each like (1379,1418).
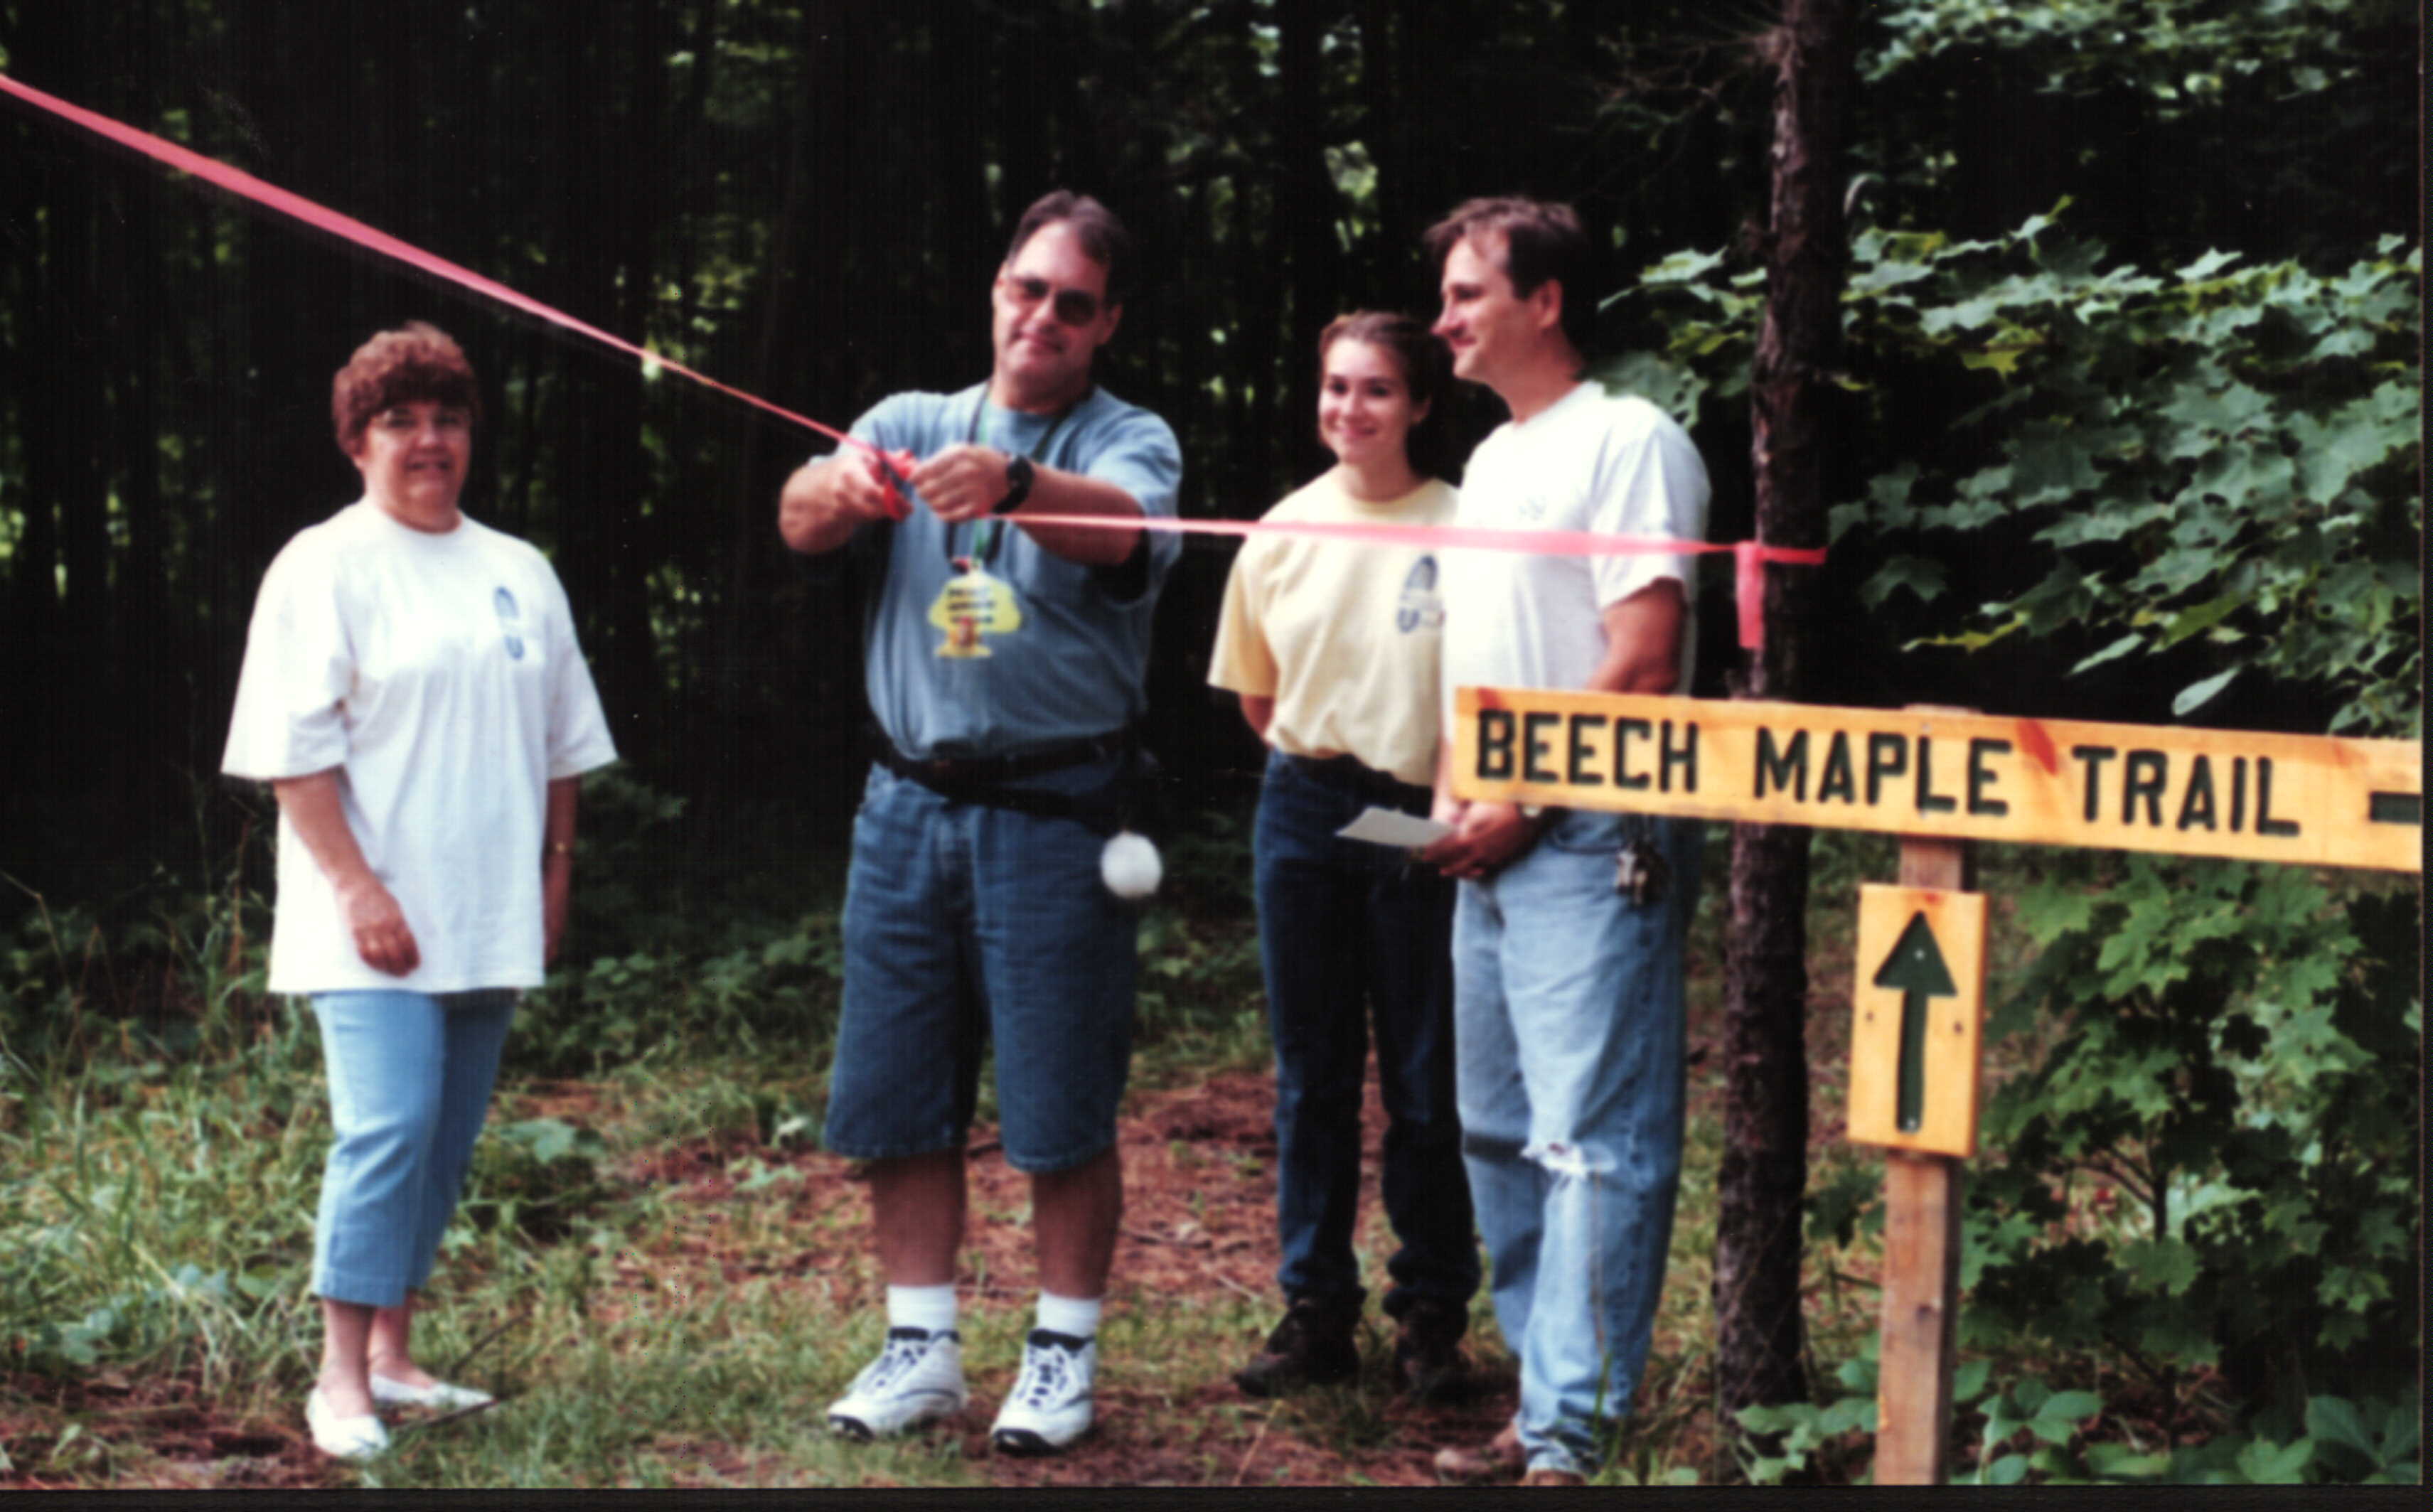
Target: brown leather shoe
(1554,1477)
(1500,1459)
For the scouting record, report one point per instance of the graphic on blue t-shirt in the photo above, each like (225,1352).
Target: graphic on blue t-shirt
(510,622)
(1420,608)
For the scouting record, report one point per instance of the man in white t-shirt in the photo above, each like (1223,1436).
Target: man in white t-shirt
(1568,995)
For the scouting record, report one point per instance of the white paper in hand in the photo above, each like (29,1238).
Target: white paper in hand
(1389,826)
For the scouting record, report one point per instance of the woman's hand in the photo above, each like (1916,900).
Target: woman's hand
(381,936)
(365,905)
(557,863)
(556,886)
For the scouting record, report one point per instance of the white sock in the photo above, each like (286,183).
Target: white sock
(931,1308)
(1075,1316)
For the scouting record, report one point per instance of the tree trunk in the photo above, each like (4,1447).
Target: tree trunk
(1305,215)
(1764,1169)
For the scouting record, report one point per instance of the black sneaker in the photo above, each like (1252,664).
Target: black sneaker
(1312,1346)
(1428,1364)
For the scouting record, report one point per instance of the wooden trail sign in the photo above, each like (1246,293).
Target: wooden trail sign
(1939,778)
(1916,1019)
(2312,799)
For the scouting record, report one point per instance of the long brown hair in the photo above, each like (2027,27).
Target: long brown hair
(1427,373)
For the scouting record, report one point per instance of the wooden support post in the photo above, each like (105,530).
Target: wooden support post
(1922,1195)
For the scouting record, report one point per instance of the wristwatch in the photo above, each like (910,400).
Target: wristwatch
(1019,475)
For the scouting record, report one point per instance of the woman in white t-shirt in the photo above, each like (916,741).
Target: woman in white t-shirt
(414,694)
(1333,647)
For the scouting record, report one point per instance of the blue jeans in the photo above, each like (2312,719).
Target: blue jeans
(1350,931)
(1569,1015)
(410,1078)
(965,924)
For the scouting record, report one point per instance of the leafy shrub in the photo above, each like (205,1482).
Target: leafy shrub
(537,1176)
(682,940)
(2023,1432)
(2238,1086)
(2204,475)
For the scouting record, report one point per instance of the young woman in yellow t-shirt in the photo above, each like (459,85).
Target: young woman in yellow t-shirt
(1333,647)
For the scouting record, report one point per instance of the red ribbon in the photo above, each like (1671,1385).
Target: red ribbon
(1749,556)
(236,180)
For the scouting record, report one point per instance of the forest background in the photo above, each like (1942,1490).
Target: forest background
(2128,431)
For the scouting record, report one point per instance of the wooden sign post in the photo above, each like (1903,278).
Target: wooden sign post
(1923,1192)
(1939,779)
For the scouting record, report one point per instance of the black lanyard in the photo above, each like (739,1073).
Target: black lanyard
(989,533)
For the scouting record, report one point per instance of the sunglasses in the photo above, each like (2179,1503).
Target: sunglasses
(1074,307)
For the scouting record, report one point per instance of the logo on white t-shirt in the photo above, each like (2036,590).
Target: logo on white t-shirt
(1420,608)
(511,622)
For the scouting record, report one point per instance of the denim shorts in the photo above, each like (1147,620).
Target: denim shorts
(966,924)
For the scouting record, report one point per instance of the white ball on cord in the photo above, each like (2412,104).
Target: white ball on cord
(1130,866)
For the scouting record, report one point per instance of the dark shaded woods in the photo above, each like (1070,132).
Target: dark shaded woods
(806,201)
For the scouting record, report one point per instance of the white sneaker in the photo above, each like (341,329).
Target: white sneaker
(917,1378)
(357,1438)
(1049,1405)
(444,1395)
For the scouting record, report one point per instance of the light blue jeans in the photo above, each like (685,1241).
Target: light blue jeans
(410,1078)
(1568,1035)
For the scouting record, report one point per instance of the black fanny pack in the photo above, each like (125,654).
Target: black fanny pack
(1122,803)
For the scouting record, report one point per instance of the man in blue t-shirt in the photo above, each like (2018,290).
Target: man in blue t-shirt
(1005,661)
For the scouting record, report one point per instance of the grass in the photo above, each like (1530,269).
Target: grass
(650,1264)
(162,1212)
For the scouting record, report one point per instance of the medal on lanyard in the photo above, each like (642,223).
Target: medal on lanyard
(975,603)
(972,605)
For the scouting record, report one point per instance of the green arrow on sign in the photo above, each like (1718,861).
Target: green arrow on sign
(1915,970)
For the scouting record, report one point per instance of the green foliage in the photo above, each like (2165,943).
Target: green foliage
(2212,469)
(1794,1433)
(2219,456)
(681,942)
(2182,124)
(1201,997)
(2235,1103)
(2022,1431)
(535,1176)
(2178,55)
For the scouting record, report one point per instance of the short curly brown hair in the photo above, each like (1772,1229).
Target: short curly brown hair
(416,361)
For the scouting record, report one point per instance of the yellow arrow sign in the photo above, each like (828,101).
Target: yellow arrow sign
(2313,800)
(1914,1019)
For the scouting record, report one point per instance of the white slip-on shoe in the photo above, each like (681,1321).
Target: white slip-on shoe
(1050,1404)
(357,1438)
(444,1395)
(918,1378)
